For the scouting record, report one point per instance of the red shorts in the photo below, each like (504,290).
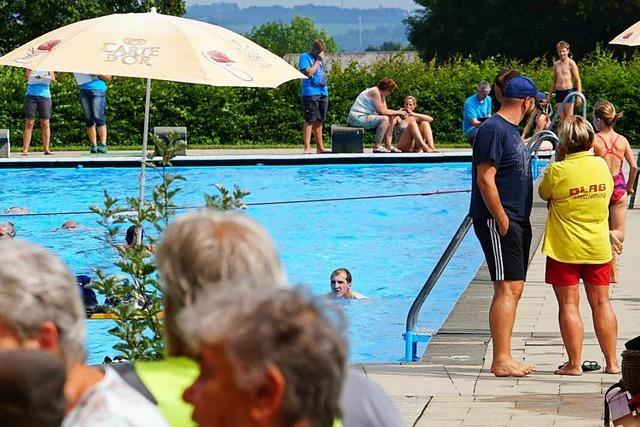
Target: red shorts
(564,274)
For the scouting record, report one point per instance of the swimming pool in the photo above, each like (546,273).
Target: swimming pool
(390,245)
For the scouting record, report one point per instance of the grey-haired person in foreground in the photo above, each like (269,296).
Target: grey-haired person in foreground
(201,255)
(41,309)
(266,359)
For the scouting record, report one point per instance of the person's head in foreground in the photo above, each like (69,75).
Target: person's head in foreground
(575,134)
(31,389)
(266,359)
(340,283)
(521,93)
(7,230)
(605,115)
(501,80)
(208,252)
(40,306)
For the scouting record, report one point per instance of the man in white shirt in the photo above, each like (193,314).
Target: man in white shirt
(41,309)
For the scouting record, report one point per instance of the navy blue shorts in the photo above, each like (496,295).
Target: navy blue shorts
(562,94)
(507,256)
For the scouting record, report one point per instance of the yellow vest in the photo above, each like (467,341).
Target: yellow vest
(578,190)
(167,380)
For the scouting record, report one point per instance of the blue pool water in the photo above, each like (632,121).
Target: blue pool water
(390,245)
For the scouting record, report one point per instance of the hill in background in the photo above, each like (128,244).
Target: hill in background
(353,29)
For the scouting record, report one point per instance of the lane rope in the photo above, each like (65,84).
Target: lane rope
(124,212)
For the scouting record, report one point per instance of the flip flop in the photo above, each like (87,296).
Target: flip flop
(590,366)
(380,150)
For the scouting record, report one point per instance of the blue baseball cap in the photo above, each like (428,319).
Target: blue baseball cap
(522,87)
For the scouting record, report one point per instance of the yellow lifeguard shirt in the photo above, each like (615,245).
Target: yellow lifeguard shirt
(578,190)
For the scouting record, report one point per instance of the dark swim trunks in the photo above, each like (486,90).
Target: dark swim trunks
(562,94)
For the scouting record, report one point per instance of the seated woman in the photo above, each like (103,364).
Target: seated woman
(414,131)
(539,120)
(370,111)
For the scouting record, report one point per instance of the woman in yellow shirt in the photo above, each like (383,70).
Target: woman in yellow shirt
(576,242)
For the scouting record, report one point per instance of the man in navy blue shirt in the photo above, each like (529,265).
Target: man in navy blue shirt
(315,95)
(501,197)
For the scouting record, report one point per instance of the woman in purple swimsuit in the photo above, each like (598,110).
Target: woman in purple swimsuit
(614,149)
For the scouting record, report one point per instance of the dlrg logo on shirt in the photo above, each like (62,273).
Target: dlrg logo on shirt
(582,192)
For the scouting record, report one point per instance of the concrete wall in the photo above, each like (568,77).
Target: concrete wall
(363,59)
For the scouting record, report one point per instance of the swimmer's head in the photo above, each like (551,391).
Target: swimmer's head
(16,210)
(130,237)
(340,282)
(7,230)
(70,225)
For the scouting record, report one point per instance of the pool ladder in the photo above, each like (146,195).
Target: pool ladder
(412,335)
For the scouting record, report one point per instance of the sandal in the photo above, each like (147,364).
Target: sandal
(380,150)
(590,366)
(394,150)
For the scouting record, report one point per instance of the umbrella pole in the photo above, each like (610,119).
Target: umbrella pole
(145,135)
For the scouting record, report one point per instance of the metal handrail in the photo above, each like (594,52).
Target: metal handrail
(569,98)
(632,199)
(412,317)
(534,147)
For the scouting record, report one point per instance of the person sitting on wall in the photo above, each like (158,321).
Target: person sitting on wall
(414,131)
(370,111)
(477,108)
(341,285)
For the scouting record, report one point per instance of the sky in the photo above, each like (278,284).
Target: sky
(360,4)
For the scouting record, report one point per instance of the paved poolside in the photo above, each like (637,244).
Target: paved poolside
(452,384)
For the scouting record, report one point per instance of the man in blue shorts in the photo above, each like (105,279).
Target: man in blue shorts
(477,108)
(501,198)
(315,95)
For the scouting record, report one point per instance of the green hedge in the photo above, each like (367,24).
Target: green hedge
(228,116)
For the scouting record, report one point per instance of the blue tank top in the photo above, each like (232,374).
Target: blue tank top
(39,83)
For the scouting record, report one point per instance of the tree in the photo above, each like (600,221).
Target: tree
(134,289)
(24,20)
(522,30)
(295,37)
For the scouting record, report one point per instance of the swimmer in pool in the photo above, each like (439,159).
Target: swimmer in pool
(341,286)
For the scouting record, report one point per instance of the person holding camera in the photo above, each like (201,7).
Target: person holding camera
(315,95)
(37,105)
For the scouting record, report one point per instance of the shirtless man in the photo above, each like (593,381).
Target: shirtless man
(565,73)
(341,285)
